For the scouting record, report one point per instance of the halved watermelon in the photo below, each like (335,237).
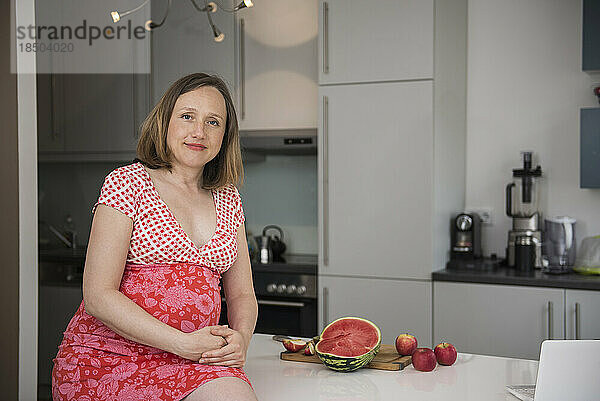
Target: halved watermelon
(348,343)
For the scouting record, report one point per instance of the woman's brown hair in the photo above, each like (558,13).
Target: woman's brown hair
(152,151)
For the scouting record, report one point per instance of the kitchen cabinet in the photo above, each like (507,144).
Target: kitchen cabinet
(364,41)
(85,113)
(582,317)
(91,100)
(391,151)
(377,168)
(591,36)
(277,65)
(50,137)
(57,305)
(395,306)
(589,147)
(501,320)
(98,113)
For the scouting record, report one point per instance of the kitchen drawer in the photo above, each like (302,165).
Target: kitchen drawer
(501,320)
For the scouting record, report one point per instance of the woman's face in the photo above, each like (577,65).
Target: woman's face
(196,127)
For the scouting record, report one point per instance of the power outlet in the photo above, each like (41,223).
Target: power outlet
(485,213)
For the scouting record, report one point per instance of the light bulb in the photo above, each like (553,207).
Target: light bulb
(243,4)
(115,16)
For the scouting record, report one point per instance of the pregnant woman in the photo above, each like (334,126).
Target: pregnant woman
(166,230)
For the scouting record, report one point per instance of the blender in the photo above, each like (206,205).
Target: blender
(522,204)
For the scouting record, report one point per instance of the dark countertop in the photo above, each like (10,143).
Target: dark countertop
(508,276)
(298,263)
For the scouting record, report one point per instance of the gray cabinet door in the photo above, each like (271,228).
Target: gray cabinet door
(50,137)
(395,306)
(376,180)
(366,41)
(57,305)
(277,60)
(586,304)
(98,113)
(92,99)
(501,320)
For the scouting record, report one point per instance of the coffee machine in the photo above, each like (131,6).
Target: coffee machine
(465,244)
(465,236)
(522,204)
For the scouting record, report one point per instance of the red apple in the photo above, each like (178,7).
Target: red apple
(406,344)
(423,359)
(309,349)
(294,345)
(445,353)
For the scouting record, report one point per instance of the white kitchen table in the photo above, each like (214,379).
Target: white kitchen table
(472,377)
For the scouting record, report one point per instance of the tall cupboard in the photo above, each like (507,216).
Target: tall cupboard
(391,154)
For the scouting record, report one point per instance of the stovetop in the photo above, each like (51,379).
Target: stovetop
(293,264)
(296,277)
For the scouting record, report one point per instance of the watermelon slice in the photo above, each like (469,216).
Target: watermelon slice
(348,343)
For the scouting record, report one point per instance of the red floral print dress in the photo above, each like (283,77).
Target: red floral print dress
(168,276)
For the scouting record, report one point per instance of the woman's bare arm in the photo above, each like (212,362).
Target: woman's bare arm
(242,309)
(105,262)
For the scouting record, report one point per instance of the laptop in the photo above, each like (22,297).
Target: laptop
(568,371)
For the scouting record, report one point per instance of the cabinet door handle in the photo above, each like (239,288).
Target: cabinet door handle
(325,37)
(242,70)
(325,182)
(53,104)
(325,317)
(577,321)
(287,304)
(550,320)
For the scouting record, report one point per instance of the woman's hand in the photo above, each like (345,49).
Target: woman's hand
(193,345)
(233,354)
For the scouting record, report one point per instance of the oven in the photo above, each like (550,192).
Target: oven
(287,299)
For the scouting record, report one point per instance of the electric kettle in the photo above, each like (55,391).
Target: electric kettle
(559,244)
(275,243)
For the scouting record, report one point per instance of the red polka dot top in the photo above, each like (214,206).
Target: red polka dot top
(157,236)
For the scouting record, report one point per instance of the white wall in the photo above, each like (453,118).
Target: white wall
(28,250)
(524,91)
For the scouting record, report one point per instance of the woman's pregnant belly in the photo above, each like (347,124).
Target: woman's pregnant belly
(184,296)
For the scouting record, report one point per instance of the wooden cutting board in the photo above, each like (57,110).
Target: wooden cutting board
(386,359)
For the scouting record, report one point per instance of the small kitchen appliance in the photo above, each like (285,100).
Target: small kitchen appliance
(465,236)
(274,244)
(524,210)
(465,244)
(559,244)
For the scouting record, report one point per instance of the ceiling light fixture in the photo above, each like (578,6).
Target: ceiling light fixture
(116,16)
(209,7)
(150,25)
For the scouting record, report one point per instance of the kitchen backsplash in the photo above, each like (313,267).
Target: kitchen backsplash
(281,190)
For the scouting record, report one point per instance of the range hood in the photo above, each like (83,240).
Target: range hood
(283,142)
